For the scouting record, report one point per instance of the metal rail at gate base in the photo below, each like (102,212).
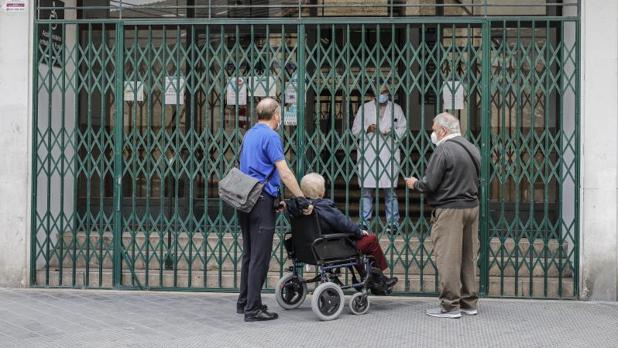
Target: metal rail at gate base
(136,120)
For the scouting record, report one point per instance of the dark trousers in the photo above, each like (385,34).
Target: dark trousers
(258,228)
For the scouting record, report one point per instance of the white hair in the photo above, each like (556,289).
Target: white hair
(312,185)
(448,122)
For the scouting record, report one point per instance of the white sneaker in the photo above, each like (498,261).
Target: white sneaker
(442,313)
(470,311)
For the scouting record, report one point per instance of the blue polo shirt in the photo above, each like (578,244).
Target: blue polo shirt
(261,148)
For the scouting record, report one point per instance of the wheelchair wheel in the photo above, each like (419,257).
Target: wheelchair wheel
(359,303)
(290,291)
(327,301)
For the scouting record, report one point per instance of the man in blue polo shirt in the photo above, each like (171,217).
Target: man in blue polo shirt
(262,158)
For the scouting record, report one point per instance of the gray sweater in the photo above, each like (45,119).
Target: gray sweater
(451,179)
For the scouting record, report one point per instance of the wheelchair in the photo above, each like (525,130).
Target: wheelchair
(330,253)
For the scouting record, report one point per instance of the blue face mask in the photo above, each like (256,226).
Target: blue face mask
(383,98)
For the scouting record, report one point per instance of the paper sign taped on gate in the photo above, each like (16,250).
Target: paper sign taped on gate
(133,91)
(236,87)
(174,90)
(453,95)
(259,86)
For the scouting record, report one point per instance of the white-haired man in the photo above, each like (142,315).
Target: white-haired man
(451,185)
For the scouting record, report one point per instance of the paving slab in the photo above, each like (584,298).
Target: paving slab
(94,318)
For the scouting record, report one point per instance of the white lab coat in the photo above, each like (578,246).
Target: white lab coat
(382,173)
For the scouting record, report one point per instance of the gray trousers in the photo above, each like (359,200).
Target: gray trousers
(258,228)
(455,243)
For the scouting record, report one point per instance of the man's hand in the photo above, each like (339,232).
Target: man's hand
(386,131)
(410,182)
(371,128)
(281,207)
(364,232)
(308,210)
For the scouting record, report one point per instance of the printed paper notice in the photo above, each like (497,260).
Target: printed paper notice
(263,86)
(453,95)
(236,91)
(133,91)
(14,5)
(290,93)
(290,117)
(174,90)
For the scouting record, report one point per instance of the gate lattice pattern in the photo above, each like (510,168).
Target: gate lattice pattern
(136,123)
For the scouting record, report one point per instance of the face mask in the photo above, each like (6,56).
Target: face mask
(278,124)
(434,138)
(383,98)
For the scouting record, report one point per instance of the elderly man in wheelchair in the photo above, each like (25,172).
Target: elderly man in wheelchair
(329,240)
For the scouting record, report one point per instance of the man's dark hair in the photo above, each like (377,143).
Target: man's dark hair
(266,108)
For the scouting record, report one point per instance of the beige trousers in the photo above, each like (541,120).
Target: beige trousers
(455,243)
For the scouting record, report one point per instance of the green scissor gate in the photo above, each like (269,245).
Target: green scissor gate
(136,120)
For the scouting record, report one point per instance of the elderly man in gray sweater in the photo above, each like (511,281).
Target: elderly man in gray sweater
(451,185)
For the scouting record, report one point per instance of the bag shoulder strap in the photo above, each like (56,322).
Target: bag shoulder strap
(242,146)
(476,165)
(272,172)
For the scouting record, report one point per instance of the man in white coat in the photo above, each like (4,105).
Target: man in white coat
(378,157)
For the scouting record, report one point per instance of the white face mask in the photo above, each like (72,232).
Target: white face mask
(434,138)
(383,98)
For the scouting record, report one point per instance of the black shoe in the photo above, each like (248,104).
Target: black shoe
(261,315)
(240,309)
(392,230)
(390,282)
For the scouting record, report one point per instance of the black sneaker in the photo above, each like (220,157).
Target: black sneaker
(261,315)
(392,229)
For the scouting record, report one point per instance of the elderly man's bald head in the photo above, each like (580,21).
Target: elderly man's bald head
(447,121)
(266,109)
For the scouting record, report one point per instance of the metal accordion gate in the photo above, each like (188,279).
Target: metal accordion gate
(135,121)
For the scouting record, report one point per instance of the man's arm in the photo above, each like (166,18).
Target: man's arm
(339,222)
(288,178)
(398,122)
(433,174)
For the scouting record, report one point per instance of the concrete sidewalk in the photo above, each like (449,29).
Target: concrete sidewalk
(71,318)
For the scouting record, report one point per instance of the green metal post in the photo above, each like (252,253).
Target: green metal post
(34,158)
(300,132)
(485,157)
(577,151)
(118,160)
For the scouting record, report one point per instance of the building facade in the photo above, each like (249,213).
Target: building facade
(121,117)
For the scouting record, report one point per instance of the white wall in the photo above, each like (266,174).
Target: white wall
(600,150)
(16,129)
(15,116)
